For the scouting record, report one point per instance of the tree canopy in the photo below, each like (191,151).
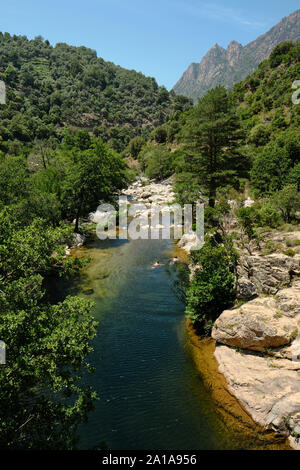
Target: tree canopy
(212,139)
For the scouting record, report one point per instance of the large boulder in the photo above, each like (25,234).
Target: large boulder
(256,325)
(102,217)
(158,193)
(78,239)
(288,300)
(270,273)
(268,388)
(245,289)
(146,194)
(249,202)
(188,241)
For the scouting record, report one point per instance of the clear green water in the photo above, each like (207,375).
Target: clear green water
(151,395)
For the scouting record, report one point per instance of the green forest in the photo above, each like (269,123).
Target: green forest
(49,88)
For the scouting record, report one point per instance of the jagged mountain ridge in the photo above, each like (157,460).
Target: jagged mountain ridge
(228,66)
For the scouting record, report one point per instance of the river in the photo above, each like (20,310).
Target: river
(151,394)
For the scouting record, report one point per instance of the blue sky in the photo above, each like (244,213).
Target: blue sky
(157,37)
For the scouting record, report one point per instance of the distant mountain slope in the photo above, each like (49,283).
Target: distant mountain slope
(264,99)
(50,87)
(228,66)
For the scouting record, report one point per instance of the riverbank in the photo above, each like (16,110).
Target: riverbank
(236,419)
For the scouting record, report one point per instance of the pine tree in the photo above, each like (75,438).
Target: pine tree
(212,136)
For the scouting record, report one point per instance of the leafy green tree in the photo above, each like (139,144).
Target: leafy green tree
(293,176)
(91,176)
(11,74)
(259,135)
(162,96)
(157,162)
(135,146)
(160,135)
(82,139)
(48,180)
(279,120)
(273,165)
(13,180)
(289,140)
(42,400)
(173,129)
(270,168)
(37,204)
(248,220)
(41,154)
(288,202)
(279,52)
(212,137)
(187,187)
(218,219)
(269,215)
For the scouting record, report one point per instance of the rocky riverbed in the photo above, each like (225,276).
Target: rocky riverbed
(148,191)
(142,191)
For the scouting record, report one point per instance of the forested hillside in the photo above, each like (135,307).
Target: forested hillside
(50,87)
(271,120)
(265,97)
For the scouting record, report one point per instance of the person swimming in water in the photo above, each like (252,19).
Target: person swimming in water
(174,260)
(156,264)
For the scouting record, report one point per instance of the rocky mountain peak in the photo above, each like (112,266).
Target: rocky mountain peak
(228,66)
(216,50)
(234,52)
(234,45)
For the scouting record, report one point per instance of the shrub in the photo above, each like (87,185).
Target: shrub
(259,135)
(292,243)
(288,202)
(269,215)
(212,289)
(157,162)
(135,146)
(289,252)
(269,247)
(160,135)
(248,220)
(278,54)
